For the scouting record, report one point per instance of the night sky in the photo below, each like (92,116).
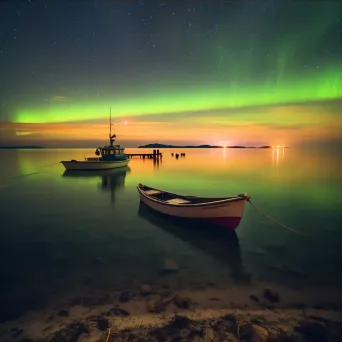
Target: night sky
(259,72)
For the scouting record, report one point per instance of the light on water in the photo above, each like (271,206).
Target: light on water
(71,234)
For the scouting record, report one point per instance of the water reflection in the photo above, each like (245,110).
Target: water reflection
(278,155)
(225,152)
(219,243)
(156,162)
(111,180)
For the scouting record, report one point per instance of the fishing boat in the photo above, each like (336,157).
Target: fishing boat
(109,157)
(224,211)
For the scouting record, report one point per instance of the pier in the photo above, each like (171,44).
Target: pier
(155,155)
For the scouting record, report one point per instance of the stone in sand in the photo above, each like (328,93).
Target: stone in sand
(246,331)
(315,331)
(63,313)
(259,334)
(154,306)
(124,297)
(170,266)
(102,323)
(230,323)
(181,322)
(116,311)
(71,332)
(254,297)
(145,289)
(214,299)
(181,302)
(272,296)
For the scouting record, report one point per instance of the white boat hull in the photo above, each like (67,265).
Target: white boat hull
(226,212)
(94,165)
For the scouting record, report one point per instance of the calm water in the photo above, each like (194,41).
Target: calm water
(64,236)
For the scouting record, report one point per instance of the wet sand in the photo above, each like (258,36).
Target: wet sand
(266,313)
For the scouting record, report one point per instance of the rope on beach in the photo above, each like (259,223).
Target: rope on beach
(274,220)
(107,339)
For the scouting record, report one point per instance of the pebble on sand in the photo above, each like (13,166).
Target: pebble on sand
(169,266)
(145,289)
(272,296)
(155,306)
(259,334)
(124,297)
(182,302)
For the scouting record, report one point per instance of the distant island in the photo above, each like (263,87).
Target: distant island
(18,147)
(199,146)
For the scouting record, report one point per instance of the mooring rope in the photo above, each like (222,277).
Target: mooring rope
(274,220)
(52,164)
(25,175)
(35,173)
(32,173)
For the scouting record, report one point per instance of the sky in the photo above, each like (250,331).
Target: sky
(174,72)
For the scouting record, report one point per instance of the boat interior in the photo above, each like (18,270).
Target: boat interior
(171,198)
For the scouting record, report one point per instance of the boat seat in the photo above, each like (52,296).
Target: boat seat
(177,201)
(152,192)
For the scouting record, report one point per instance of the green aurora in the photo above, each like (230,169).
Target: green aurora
(174,58)
(321,86)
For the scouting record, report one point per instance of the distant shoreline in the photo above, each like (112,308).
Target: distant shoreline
(156,146)
(198,146)
(19,147)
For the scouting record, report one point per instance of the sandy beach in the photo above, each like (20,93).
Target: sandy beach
(237,313)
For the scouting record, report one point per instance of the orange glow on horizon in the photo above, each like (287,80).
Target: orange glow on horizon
(163,132)
(225,130)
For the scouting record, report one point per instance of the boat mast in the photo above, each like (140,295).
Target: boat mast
(110,127)
(110,122)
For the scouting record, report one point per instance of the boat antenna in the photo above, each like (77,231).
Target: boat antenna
(111,137)
(110,122)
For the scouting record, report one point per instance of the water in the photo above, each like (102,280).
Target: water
(65,236)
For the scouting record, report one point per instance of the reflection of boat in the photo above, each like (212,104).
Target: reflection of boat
(226,212)
(109,157)
(111,180)
(222,244)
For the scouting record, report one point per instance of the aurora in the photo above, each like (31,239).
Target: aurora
(207,65)
(320,87)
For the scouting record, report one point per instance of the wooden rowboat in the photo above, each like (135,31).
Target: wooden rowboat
(226,211)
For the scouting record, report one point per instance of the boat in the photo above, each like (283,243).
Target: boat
(222,211)
(109,157)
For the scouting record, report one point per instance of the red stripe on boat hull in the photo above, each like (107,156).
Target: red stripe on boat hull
(226,222)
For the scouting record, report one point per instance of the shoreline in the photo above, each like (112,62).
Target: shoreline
(185,316)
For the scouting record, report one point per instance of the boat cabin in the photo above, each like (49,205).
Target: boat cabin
(111,153)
